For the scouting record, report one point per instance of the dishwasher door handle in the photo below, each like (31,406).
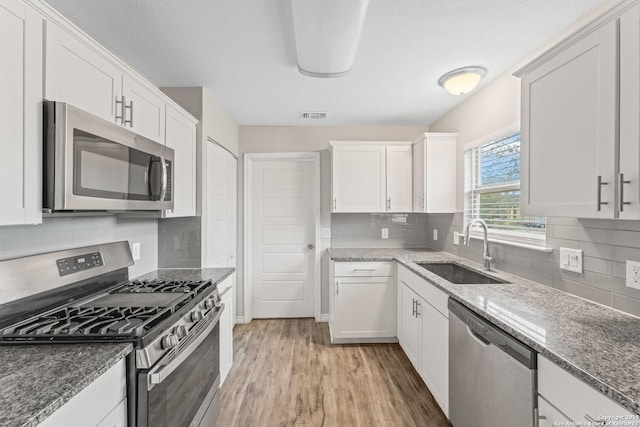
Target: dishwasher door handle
(484,342)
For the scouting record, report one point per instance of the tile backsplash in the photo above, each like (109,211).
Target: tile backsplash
(354,230)
(179,242)
(69,232)
(606,245)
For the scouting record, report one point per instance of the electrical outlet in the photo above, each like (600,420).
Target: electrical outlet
(456,238)
(633,274)
(385,233)
(135,251)
(571,260)
(435,234)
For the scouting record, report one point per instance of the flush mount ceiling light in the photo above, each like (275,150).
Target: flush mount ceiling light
(327,34)
(462,80)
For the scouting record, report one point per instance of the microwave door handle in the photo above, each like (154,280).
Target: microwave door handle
(163,191)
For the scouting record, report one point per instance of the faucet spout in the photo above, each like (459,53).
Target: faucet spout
(486,255)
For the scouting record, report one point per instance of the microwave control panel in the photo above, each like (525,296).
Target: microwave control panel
(79,263)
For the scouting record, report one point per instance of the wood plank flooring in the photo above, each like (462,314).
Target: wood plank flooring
(287,373)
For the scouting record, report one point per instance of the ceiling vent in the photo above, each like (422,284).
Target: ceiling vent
(314,115)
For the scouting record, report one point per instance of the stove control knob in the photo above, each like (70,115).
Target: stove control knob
(182,331)
(196,316)
(208,303)
(169,341)
(217,300)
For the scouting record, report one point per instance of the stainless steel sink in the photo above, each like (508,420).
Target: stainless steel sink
(458,274)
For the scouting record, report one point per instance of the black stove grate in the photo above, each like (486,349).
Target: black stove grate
(88,321)
(179,286)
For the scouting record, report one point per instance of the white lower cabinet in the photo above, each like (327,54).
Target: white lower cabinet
(102,403)
(226,328)
(564,397)
(362,304)
(423,332)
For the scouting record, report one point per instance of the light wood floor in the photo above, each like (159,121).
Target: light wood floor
(287,373)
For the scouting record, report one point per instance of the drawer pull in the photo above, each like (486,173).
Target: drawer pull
(593,420)
(600,184)
(364,269)
(621,183)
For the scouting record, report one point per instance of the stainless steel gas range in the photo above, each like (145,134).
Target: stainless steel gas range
(85,295)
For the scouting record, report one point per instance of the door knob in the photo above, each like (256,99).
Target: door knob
(310,246)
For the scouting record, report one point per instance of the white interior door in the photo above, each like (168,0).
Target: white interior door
(281,219)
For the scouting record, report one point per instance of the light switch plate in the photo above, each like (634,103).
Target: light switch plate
(385,233)
(633,274)
(456,238)
(571,260)
(435,234)
(325,233)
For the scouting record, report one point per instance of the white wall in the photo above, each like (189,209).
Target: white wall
(278,139)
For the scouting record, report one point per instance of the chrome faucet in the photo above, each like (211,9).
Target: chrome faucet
(486,256)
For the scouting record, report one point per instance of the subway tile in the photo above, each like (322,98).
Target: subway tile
(626,238)
(594,294)
(626,304)
(597,250)
(539,276)
(597,265)
(569,222)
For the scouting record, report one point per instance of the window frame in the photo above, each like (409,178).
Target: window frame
(515,238)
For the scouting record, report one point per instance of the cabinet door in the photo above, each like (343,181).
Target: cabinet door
(226,335)
(377,294)
(629,186)
(181,136)
(144,110)
(409,324)
(399,178)
(434,354)
(117,417)
(548,415)
(440,174)
(419,162)
(569,130)
(20,114)
(359,178)
(78,75)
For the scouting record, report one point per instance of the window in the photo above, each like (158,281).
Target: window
(492,191)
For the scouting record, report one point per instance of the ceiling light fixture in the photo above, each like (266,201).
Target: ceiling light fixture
(462,80)
(327,34)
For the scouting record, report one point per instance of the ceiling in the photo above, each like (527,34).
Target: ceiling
(243,52)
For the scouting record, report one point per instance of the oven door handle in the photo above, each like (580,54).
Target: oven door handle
(159,374)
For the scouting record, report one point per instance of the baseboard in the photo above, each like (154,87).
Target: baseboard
(323,318)
(241,320)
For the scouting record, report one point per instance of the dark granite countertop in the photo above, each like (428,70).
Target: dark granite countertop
(36,380)
(597,344)
(217,275)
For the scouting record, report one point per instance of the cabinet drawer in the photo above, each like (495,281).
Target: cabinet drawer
(426,290)
(574,398)
(363,269)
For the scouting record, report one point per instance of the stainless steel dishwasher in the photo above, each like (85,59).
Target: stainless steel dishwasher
(492,376)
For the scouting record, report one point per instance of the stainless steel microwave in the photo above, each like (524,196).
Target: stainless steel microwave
(91,164)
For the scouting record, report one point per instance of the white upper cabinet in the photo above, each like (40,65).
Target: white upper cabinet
(399,178)
(144,109)
(79,75)
(629,173)
(359,178)
(20,114)
(371,176)
(580,122)
(181,136)
(434,173)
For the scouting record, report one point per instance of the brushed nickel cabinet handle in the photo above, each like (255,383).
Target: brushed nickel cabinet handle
(600,202)
(334,203)
(414,307)
(337,287)
(121,103)
(389,204)
(130,108)
(621,183)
